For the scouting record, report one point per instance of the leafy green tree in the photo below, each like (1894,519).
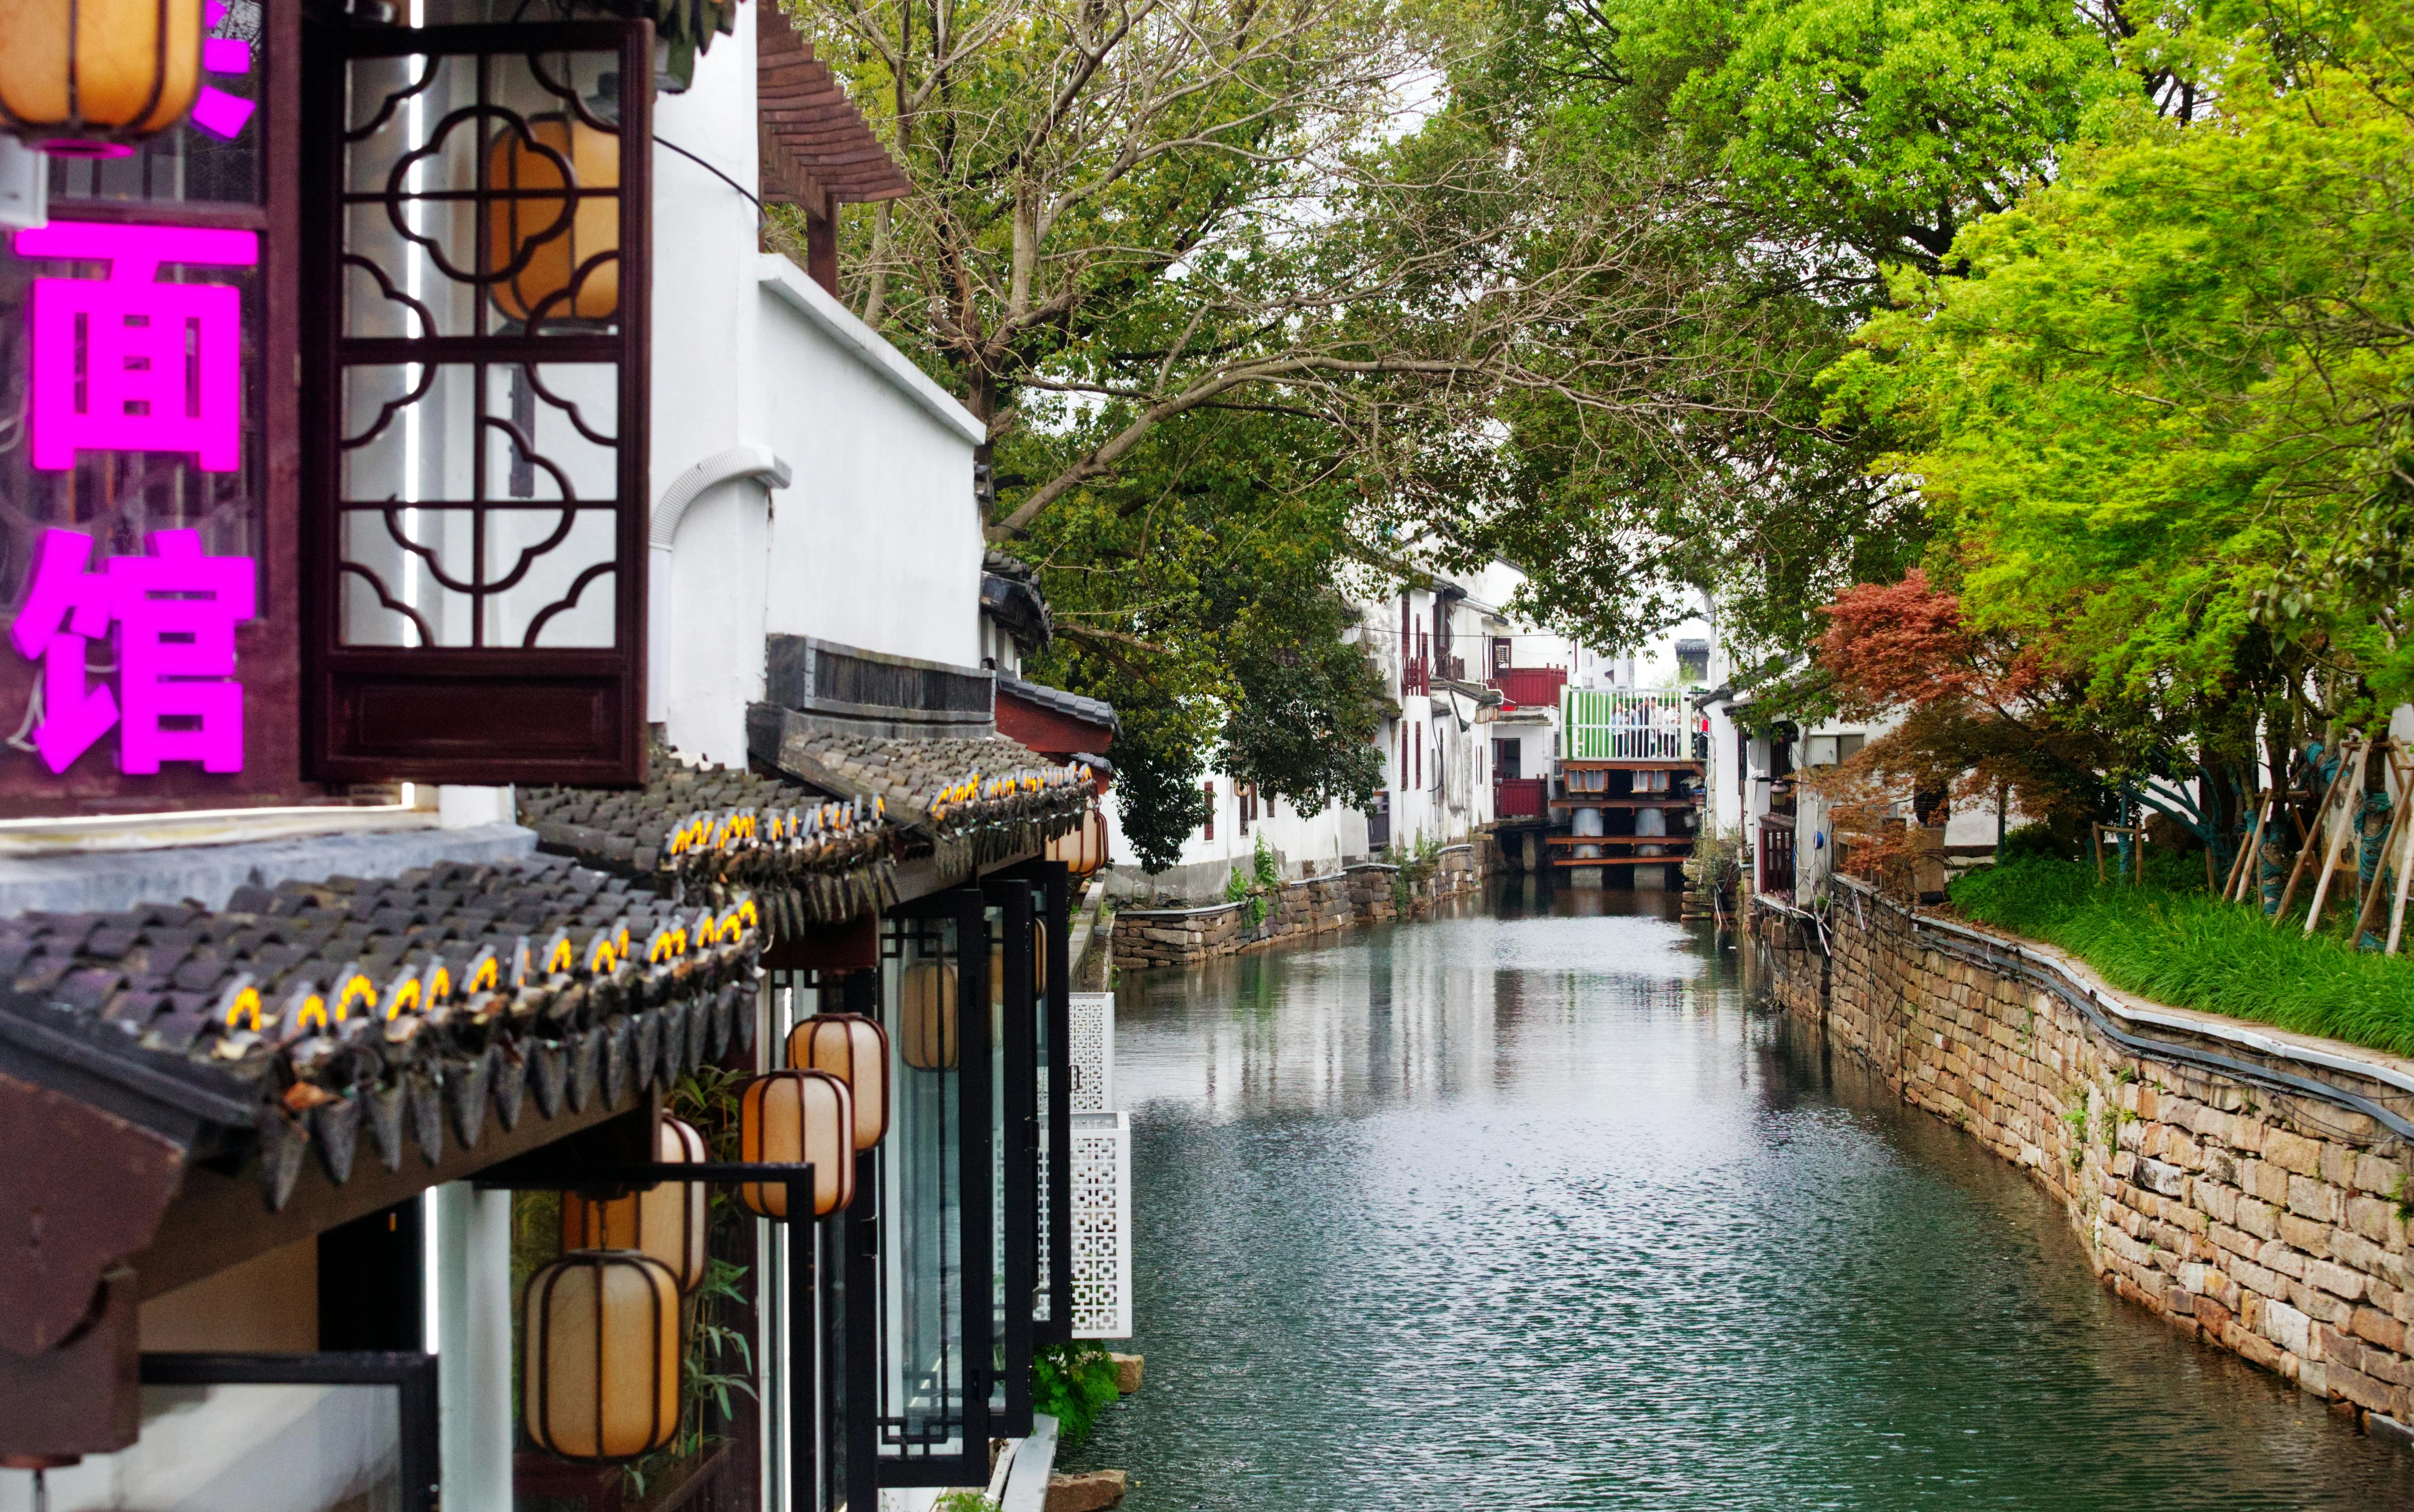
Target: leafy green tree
(1818,142)
(2161,421)
(1310,713)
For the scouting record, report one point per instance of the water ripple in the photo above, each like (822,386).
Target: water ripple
(1532,1213)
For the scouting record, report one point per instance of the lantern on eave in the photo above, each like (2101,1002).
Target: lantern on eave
(787,1116)
(854,1049)
(553,241)
(600,1380)
(91,78)
(666,1224)
(1083,848)
(927,1004)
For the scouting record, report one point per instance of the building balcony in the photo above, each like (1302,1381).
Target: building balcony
(1531,687)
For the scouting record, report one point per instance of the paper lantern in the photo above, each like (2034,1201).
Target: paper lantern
(90,78)
(927,1004)
(787,1116)
(666,1224)
(600,1381)
(854,1049)
(1083,848)
(541,232)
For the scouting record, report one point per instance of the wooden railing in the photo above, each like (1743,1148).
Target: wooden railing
(1536,687)
(1519,798)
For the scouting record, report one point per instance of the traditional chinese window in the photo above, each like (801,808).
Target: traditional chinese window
(145,490)
(477,484)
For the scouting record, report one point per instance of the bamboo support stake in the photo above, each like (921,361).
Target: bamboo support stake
(2397,913)
(2371,901)
(2340,835)
(2305,851)
(2245,865)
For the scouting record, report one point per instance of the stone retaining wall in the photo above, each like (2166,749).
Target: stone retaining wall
(2264,1223)
(1360,894)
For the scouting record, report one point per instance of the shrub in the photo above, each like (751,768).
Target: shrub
(2031,840)
(2170,941)
(1070,1382)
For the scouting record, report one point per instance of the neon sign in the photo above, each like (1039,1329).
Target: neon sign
(128,364)
(175,610)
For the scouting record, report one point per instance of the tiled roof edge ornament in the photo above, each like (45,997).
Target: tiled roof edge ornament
(709,832)
(989,817)
(317,1017)
(818,863)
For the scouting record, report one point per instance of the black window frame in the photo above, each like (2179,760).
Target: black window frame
(419,1459)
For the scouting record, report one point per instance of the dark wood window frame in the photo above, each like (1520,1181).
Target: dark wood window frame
(487,714)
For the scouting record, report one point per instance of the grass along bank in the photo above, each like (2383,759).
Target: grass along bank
(2170,941)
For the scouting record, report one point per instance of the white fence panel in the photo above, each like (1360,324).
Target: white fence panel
(1092,1052)
(1102,1281)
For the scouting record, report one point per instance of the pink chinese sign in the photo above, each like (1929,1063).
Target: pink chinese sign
(127,363)
(175,611)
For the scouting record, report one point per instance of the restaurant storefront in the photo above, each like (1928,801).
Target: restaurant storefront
(366,959)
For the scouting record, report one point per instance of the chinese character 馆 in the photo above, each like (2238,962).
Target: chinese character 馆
(126,363)
(176,610)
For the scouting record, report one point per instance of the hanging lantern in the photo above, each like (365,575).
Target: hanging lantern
(1084,848)
(601,1378)
(791,1116)
(91,78)
(541,232)
(666,1224)
(927,1004)
(854,1049)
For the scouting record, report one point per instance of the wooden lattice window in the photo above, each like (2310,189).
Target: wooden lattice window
(476,501)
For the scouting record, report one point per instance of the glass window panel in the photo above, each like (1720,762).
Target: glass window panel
(563,565)
(241,1448)
(120,497)
(485,189)
(921,1296)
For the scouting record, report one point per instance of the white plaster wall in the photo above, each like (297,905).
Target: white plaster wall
(719,579)
(876,541)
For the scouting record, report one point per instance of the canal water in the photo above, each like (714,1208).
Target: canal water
(1533,1208)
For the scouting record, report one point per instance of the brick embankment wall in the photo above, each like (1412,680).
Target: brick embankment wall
(2259,1219)
(1361,895)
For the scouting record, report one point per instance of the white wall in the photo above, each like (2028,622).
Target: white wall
(876,540)
(878,543)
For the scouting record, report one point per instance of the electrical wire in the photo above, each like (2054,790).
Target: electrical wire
(714,172)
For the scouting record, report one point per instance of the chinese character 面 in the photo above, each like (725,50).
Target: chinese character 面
(126,363)
(176,610)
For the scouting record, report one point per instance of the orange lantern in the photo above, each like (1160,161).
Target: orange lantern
(542,232)
(854,1049)
(788,1117)
(600,1381)
(90,78)
(927,1000)
(666,1224)
(1083,848)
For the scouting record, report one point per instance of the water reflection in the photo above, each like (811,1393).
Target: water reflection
(1523,1208)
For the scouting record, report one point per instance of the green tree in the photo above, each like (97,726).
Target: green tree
(1311,705)
(2161,420)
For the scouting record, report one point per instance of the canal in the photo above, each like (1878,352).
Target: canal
(1533,1207)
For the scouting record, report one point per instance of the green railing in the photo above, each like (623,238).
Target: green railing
(1625,725)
